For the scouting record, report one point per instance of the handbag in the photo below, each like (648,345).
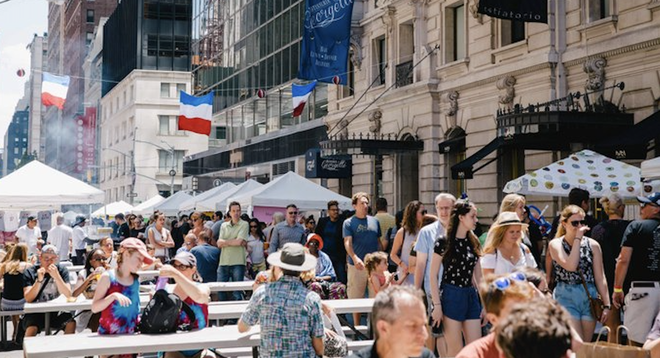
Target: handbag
(595,303)
(334,345)
(600,349)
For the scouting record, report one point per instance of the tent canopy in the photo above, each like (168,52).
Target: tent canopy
(220,202)
(38,186)
(586,170)
(147,206)
(113,209)
(651,169)
(291,188)
(195,203)
(170,206)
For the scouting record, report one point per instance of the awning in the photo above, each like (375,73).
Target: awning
(452,145)
(633,142)
(464,169)
(369,146)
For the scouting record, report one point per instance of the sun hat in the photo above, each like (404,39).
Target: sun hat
(316,237)
(509,218)
(186,258)
(654,199)
(133,243)
(292,257)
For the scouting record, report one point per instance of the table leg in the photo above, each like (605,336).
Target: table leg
(3,331)
(47,323)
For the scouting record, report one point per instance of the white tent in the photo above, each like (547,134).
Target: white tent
(113,208)
(651,169)
(147,207)
(170,206)
(38,186)
(220,202)
(291,188)
(195,203)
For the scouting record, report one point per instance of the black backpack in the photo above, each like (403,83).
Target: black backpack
(162,313)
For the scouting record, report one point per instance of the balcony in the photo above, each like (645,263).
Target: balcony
(404,74)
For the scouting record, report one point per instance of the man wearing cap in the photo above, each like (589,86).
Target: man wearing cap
(289,314)
(637,270)
(287,231)
(61,236)
(29,234)
(44,282)
(79,236)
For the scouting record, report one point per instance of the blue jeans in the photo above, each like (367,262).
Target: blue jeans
(233,273)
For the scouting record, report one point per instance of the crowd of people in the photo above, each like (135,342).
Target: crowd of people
(437,283)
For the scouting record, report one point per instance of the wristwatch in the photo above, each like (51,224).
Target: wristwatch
(608,307)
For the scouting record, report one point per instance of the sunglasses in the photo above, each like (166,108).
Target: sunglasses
(181,267)
(577,223)
(312,222)
(99,259)
(253,226)
(293,213)
(424,212)
(503,283)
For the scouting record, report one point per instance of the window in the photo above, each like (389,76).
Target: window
(599,9)
(165,161)
(404,66)
(381,60)
(220,132)
(90,16)
(348,89)
(180,87)
(88,38)
(165,90)
(164,125)
(512,31)
(176,127)
(455,33)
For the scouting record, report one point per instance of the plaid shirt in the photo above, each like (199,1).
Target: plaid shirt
(289,314)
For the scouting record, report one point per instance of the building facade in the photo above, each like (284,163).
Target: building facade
(475,101)
(248,54)
(71,26)
(38,56)
(16,140)
(141,149)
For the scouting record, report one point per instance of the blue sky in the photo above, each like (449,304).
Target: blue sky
(19,21)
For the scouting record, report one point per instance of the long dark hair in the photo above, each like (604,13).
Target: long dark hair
(409,222)
(88,261)
(461,208)
(260,234)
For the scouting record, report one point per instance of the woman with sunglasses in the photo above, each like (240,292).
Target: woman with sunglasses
(456,303)
(188,287)
(504,251)
(255,247)
(413,215)
(578,260)
(95,265)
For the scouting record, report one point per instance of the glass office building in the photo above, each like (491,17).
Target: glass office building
(240,47)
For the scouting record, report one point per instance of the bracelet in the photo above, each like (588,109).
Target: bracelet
(40,281)
(608,307)
(618,290)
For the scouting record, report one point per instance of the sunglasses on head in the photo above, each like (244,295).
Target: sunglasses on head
(577,223)
(503,283)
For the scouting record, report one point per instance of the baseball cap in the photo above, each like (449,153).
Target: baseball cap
(653,198)
(133,243)
(49,249)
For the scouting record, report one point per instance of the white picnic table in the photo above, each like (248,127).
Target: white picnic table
(213,286)
(92,344)
(234,310)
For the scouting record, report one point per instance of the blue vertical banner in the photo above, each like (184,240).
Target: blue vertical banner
(325,41)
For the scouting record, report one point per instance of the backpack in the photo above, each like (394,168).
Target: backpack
(162,313)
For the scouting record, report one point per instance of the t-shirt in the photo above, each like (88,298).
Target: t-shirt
(50,291)
(330,244)
(386,221)
(215,229)
(59,236)
(643,237)
(29,237)
(233,255)
(426,243)
(79,238)
(123,231)
(501,265)
(609,234)
(481,348)
(207,257)
(458,271)
(365,233)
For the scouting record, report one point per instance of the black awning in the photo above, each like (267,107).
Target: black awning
(452,145)
(464,169)
(369,146)
(632,143)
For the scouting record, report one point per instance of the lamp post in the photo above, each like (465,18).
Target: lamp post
(170,150)
(131,195)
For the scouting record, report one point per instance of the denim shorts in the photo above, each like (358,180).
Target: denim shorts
(574,299)
(460,303)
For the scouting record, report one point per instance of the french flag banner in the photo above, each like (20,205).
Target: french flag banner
(300,94)
(54,89)
(196,113)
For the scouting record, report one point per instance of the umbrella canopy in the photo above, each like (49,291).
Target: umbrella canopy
(586,170)
(147,207)
(220,202)
(291,188)
(113,208)
(170,206)
(38,186)
(194,203)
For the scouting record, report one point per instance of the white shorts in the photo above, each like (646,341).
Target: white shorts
(642,304)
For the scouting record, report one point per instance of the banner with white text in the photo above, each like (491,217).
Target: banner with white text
(325,41)
(518,10)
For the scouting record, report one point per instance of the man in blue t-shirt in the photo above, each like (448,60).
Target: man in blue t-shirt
(330,229)
(361,237)
(208,257)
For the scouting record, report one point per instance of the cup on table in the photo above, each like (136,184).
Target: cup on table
(71,299)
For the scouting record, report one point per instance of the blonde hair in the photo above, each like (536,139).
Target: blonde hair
(568,211)
(612,204)
(374,259)
(511,201)
(16,255)
(357,196)
(496,236)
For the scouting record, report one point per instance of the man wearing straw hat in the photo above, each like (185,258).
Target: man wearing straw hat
(289,314)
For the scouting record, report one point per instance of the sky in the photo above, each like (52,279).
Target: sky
(19,21)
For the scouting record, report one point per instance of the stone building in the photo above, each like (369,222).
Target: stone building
(448,94)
